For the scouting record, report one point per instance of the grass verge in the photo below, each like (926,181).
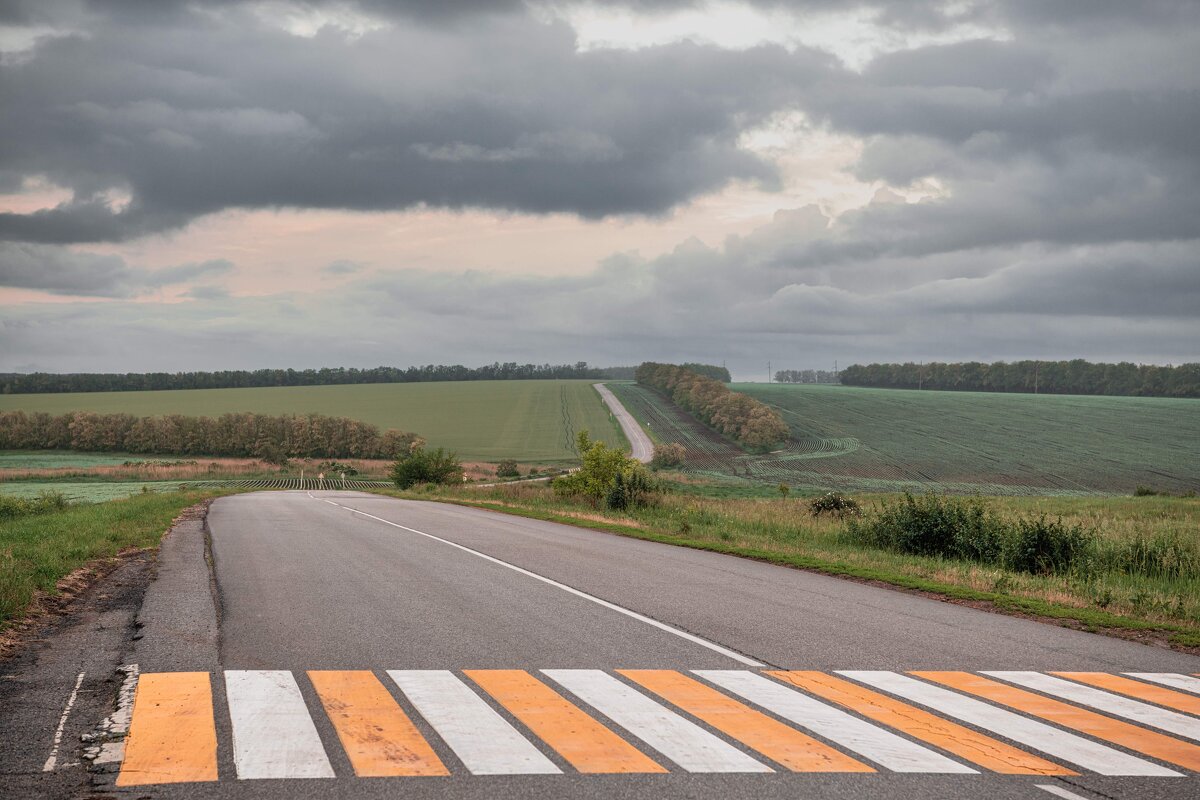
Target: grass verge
(38,551)
(1152,608)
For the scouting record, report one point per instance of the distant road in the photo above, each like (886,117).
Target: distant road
(643,448)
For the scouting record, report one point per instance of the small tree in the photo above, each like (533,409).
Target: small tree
(607,475)
(507,469)
(668,455)
(426,466)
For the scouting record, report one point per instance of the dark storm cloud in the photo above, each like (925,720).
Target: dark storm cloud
(58,270)
(201,113)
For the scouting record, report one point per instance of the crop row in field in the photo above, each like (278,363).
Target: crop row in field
(528,421)
(888,440)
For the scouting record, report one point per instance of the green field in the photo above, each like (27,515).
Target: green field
(57,459)
(480,420)
(857,439)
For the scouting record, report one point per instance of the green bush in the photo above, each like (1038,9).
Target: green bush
(1046,548)
(967,529)
(419,465)
(507,469)
(607,475)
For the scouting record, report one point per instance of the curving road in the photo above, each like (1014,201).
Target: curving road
(643,448)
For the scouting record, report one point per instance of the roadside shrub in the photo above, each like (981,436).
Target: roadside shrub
(1043,547)
(1146,491)
(426,466)
(967,529)
(608,476)
(44,503)
(833,503)
(507,469)
(668,455)
(336,468)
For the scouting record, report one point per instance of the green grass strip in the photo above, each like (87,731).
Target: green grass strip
(36,552)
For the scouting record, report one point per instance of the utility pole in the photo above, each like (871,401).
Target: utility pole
(1035,376)
(768,372)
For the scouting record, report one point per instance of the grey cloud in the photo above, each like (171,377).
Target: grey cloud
(195,114)
(344,266)
(59,270)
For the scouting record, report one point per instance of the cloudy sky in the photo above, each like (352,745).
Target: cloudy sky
(223,184)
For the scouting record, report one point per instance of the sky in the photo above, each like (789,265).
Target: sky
(223,184)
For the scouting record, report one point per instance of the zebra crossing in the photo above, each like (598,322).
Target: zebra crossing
(437,723)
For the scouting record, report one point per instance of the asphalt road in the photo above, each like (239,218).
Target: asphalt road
(332,581)
(642,447)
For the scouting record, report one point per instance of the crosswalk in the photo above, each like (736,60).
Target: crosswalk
(431,723)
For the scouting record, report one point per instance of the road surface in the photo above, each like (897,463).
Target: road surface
(361,646)
(643,448)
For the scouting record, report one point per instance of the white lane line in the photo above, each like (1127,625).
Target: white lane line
(1173,679)
(1058,791)
(1115,704)
(52,761)
(738,657)
(1066,746)
(684,742)
(879,745)
(485,742)
(273,735)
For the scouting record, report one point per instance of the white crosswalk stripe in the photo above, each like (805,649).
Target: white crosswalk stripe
(273,734)
(1066,746)
(684,742)
(870,741)
(1173,679)
(484,740)
(1155,717)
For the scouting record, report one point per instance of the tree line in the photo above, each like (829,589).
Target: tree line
(1045,377)
(805,376)
(738,416)
(44,382)
(244,435)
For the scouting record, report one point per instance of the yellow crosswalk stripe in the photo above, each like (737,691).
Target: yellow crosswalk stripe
(378,737)
(950,736)
(793,749)
(582,741)
(1148,742)
(172,734)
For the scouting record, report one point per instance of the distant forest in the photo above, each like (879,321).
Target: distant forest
(1045,377)
(14,383)
(271,438)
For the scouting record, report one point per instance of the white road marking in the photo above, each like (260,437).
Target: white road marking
(1066,746)
(1173,679)
(273,735)
(684,742)
(485,742)
(877,744)
(741,659)
(1114,704)
(52,761)
(109,737)
(1059,791)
